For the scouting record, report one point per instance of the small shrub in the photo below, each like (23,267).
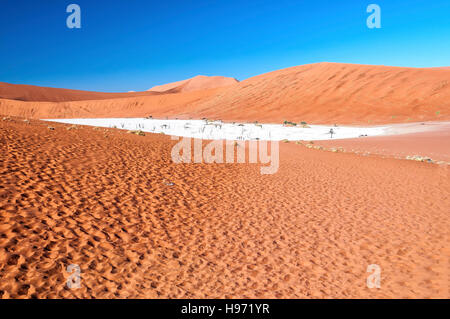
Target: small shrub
(137,132)
(287,123)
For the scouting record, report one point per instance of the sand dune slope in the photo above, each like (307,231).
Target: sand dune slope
(199,82)
(160,105)
(139,225)
(46,94)
(334,92)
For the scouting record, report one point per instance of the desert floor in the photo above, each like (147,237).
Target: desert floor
(141,226)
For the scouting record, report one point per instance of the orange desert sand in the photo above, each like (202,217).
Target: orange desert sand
(142,226)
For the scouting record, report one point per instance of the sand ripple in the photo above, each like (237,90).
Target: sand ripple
(140,226)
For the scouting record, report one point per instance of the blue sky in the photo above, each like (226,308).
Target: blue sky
(133,45)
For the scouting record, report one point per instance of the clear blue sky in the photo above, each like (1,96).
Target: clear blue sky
(133,45)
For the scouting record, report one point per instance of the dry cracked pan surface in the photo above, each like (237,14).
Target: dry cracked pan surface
(140,226)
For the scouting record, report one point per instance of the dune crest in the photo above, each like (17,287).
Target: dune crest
(155,104)
(22,92)
(199,82)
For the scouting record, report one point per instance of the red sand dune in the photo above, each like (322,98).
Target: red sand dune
(139,225)
(315,93)
(159,105)
(200,82)
(337,93)
(22,92)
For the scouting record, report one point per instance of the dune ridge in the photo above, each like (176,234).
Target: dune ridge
(159,105)
(199,82)
(22,92)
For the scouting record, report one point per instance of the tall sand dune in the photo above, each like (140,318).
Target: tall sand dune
(334,92)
